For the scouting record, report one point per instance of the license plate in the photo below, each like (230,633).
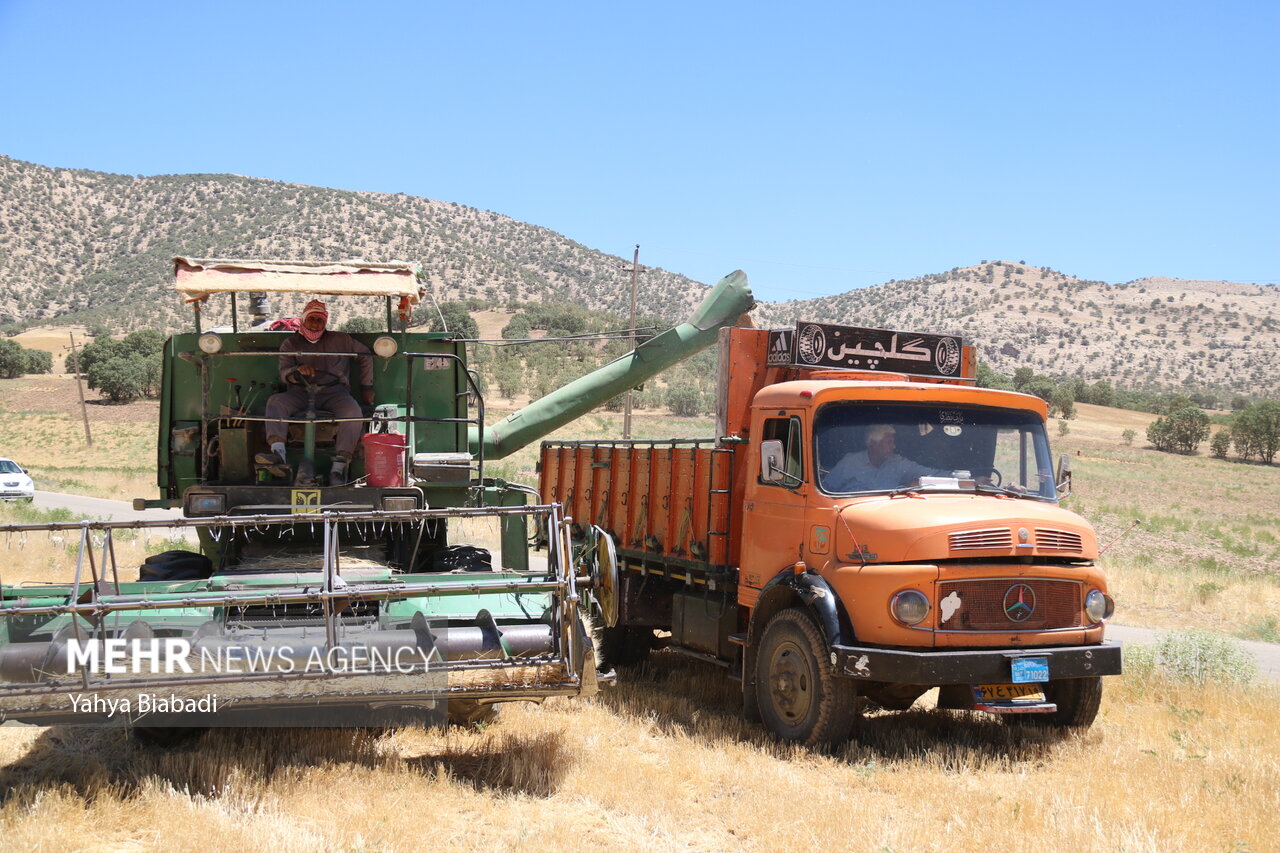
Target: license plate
(999,692)
(1030,669)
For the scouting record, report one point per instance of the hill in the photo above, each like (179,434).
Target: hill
(1149,333)
(89,247)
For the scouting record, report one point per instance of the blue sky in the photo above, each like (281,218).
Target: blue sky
(819,146)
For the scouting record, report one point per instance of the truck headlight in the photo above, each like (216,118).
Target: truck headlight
(910,607)
(1098,606)
(385,346)
(209,343)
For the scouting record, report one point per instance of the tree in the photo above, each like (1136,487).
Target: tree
(144,342)
(362,325)
(1220,443)
(1063,402)
(122,378)
(13,359)
(518,327)
(1101,394)
(988,378)
(1128,436)
(1160,434)
(39,361)
(457,320)
(1256,431)
(1042,387)
(508,375)
(684,401)
(102,349)
(1186,428)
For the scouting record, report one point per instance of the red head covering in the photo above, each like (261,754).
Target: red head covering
(314,308)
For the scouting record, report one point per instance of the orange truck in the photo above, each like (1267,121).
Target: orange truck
(867,526)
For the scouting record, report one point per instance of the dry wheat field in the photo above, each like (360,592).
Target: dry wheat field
(663,760)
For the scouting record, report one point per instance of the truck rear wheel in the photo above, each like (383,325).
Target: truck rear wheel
(1077,699)
(800,697)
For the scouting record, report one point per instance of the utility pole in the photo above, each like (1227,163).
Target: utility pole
(84,411)
(626,403)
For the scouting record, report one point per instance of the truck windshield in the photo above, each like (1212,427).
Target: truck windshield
(863,447)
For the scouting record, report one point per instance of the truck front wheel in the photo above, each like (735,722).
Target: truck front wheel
(800,697)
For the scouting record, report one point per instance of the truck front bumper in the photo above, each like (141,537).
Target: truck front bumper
(970,666)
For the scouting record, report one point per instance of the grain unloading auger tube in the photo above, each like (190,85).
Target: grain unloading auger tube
(321,644)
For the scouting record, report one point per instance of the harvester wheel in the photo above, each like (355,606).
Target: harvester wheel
(801,698)
(1077,699)
(175,566)
(470,713)
(624,645)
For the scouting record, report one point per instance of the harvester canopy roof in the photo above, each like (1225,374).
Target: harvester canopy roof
(197,278)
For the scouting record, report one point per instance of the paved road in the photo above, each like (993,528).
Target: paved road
(101,509)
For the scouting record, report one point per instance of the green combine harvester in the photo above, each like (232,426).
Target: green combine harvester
(405,592)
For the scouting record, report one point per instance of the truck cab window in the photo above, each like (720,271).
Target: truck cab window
(789,433)
(870,447)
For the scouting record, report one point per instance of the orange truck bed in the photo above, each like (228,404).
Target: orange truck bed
(668,501)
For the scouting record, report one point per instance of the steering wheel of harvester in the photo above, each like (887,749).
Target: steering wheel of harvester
(309,382)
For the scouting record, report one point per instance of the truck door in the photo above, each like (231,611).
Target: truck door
(773,515)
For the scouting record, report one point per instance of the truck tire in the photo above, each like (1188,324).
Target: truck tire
(1077,700)
(800,697)
(175,566)
(624,645)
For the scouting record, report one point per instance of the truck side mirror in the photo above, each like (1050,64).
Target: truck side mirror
(1064,476)
(771,458)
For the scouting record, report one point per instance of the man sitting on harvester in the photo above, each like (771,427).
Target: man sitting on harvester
(303,362)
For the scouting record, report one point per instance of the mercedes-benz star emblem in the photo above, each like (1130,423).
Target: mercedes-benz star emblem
(1019,602)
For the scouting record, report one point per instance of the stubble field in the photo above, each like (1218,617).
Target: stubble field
(663,760)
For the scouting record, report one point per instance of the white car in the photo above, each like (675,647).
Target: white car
(15,485)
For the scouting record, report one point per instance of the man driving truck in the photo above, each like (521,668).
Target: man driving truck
(878,466)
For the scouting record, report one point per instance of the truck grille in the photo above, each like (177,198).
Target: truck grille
(1058,540)
(982,540)
(1009,604)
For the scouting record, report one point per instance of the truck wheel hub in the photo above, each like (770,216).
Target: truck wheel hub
(789,682)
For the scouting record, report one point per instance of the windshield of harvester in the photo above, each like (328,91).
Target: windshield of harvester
(865,447)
